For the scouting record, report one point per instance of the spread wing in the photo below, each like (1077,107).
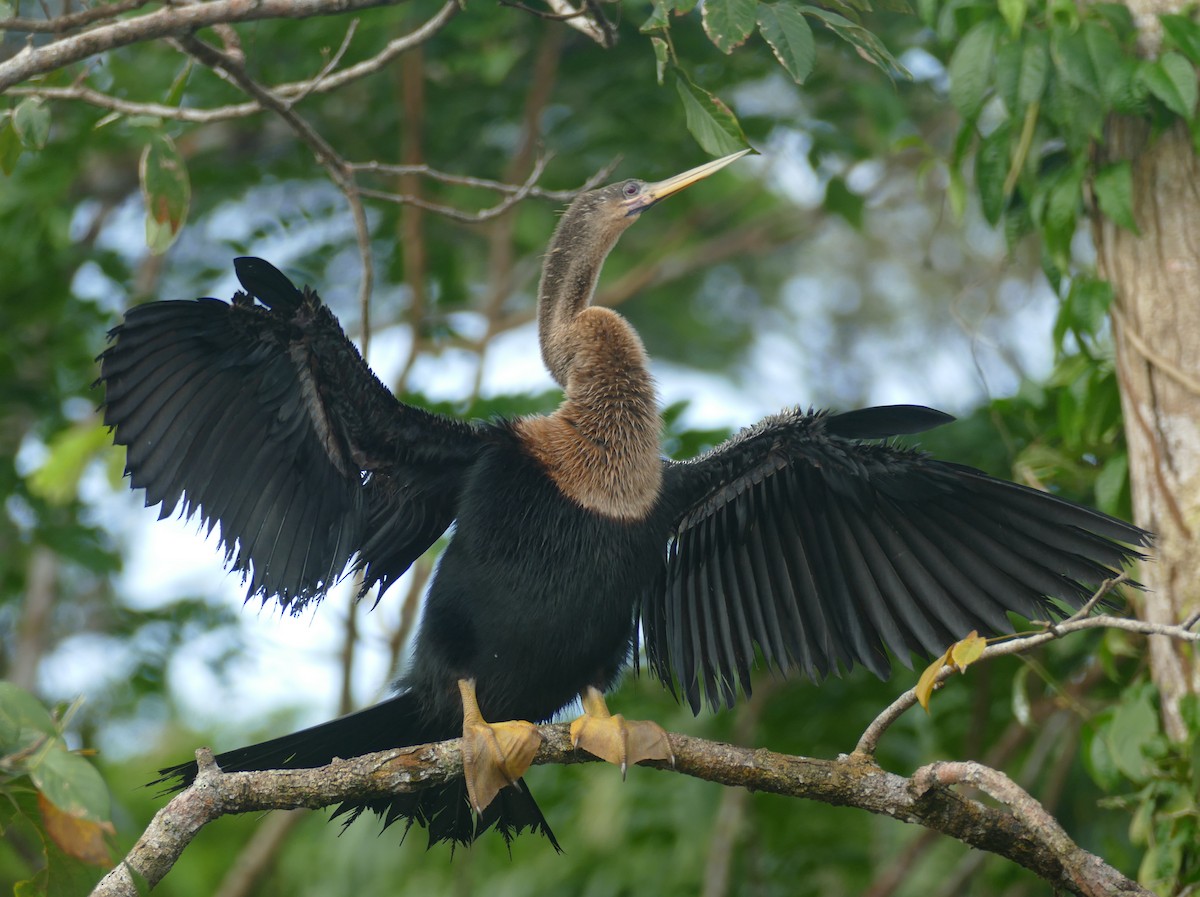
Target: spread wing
(823,551)
(265,419)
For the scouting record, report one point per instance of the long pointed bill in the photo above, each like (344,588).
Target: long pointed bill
(657,192)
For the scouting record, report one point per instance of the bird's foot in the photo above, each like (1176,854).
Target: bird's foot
(495,755)
(618,740)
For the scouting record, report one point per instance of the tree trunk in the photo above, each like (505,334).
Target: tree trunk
(1156,325)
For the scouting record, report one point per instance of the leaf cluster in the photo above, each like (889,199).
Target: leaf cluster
(1034,86)
(50,795)
(1155,779)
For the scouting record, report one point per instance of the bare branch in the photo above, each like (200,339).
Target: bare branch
(1020,644)
(172,21)
(458,214)
(848,781)
(1084,873)
(464,180)
(325,81)
(71,21)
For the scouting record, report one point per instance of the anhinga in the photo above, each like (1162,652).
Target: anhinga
(808,538)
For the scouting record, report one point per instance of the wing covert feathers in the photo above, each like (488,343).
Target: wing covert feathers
(822,552)
(269,423)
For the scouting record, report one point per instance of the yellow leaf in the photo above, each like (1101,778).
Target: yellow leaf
(925,684)
(969,650)
(80,838)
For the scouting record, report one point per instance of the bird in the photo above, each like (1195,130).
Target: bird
(811,542)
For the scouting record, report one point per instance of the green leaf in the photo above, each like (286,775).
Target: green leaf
(728,22)
(1021,70)
(1134,727)
(956,193)
(1014,14)
(70,451)
(841,200)
(165,190)
(790,38)
(662,54)
(709,120)
(970,68)
(23,720)
(175,93)
(1172,79)
(657,20)
(868,45)
(1089,300)
(10,145)
(1097,756)
(1124,88)
(1022,710)
(1114,192)
(992,162)
(1035,66)
(1073,61)
(1119,18)
(1104,51)
(1183,34)
(1060,212)
(31,118)
(1111,485)
(72,784)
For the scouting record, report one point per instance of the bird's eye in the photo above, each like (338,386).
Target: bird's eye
(631,188)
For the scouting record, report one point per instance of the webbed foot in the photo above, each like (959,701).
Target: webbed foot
(495,755)
(613,738)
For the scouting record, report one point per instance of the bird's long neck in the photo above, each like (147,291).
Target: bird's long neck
(569,275)
(602,445)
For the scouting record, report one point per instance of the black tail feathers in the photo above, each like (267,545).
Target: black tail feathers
(443,811)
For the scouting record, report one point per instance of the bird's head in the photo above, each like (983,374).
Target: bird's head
(589,229)
(607,211)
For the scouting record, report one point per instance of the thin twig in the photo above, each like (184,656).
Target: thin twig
(327,69)
(458,214)
(1019,644)
(171,21)
(71,21)
(292,91)
(462,180)
(232,71)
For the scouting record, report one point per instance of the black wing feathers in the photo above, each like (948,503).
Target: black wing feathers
(270,423)
(824,552)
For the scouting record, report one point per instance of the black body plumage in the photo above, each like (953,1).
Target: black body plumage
(807,539)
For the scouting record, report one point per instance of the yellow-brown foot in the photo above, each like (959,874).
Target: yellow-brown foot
(613,738)
(495,755)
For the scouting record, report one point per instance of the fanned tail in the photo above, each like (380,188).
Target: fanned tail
(443,810)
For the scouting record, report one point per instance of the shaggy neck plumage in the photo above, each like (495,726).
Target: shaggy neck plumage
(602,444)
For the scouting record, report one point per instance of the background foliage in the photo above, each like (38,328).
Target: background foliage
(917,209)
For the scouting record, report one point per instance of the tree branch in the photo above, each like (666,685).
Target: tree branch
(71,21)
(323,82)
(1019,644)
(171,21)
(851,781)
